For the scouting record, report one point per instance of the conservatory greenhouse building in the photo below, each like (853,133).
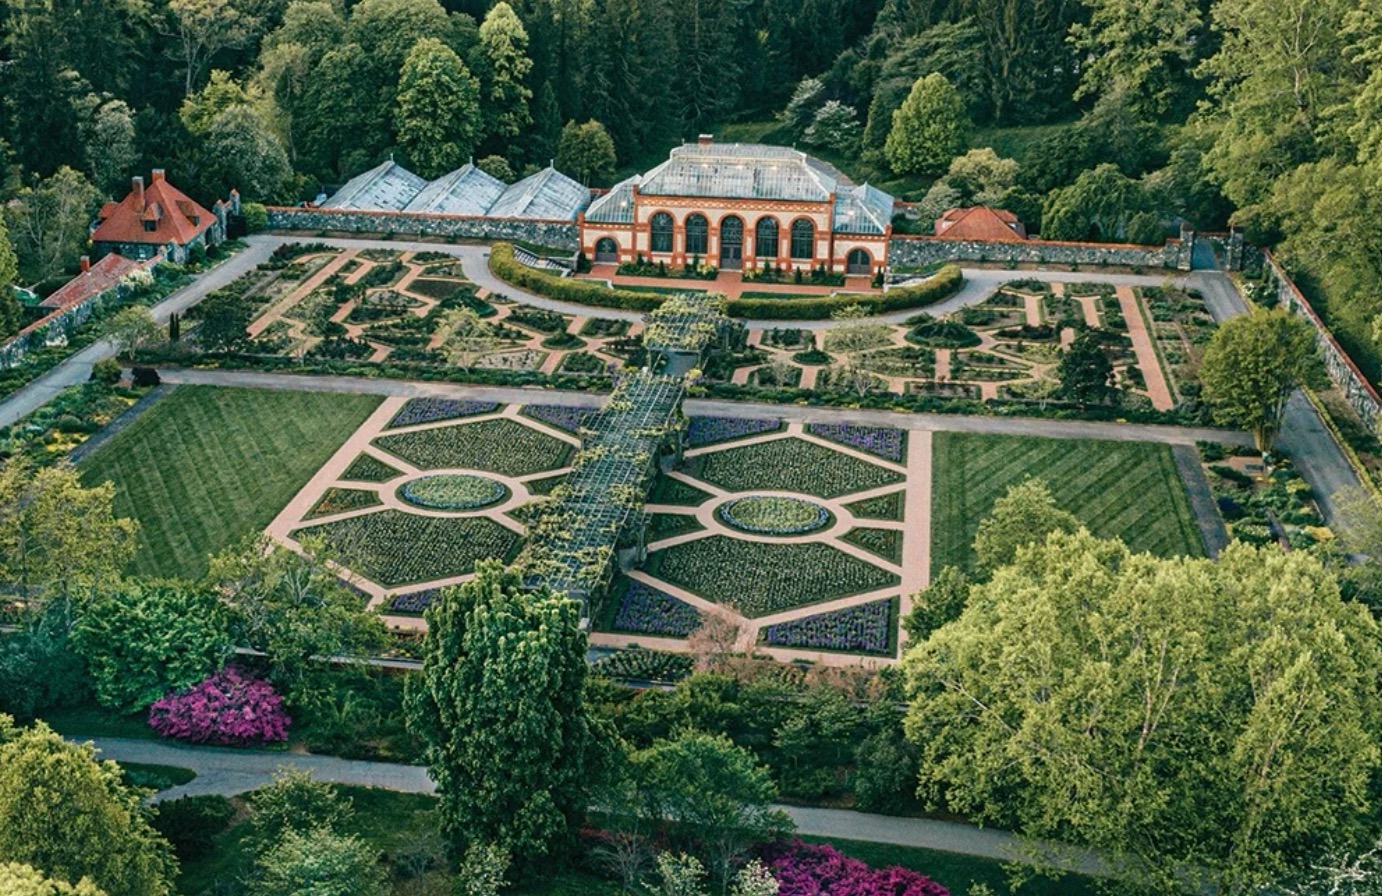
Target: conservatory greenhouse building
(741,206)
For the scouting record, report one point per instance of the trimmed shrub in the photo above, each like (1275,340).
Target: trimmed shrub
(586,292)
(225,708)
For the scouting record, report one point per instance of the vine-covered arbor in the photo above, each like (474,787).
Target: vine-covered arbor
(572,538)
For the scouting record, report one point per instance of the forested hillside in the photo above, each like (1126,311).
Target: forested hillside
(1111,119)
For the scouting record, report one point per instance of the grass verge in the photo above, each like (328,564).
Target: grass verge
(1127,490)
(206,466)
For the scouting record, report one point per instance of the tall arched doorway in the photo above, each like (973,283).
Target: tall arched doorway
(731,243)
(606,251)
(858,262)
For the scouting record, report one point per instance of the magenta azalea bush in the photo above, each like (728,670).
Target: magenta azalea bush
(227,707)
(804,869)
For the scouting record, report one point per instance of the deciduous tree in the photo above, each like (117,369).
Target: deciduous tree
(292,606)
(1181,713)
(322,863)
(141,640)
(835,127)
(500,706)
(73,817)
(586,152)
(1252,365)
(203,28)
(25,880)
(1097,206)
(49,223)
(9,263)
(713,800)
(1026,514)
(929,128)
(438,114)
(132,328)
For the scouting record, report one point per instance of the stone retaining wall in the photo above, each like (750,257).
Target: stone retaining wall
(1361,395)
(916,251)
(555,234)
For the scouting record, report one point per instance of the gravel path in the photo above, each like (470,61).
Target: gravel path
(229,772)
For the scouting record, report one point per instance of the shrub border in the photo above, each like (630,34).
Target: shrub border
(502,264)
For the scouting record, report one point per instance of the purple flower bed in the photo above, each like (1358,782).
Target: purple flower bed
(708,430)
(225,708)
(414,601)
(862,629)
(880,441)
(430,410)
(805,869)
(561,416)
(647,610)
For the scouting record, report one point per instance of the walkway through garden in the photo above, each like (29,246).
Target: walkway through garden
(230,772)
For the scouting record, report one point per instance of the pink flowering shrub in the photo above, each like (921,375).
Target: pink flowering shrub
(225,708)
(804,869)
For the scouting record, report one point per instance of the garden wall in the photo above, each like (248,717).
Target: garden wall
(1361,395)
(63,320)
(918,251)
(555,234)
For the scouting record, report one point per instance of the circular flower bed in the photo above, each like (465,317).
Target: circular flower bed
(774,515)
(452,491)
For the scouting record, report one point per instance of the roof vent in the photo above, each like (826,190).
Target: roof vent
(706,139)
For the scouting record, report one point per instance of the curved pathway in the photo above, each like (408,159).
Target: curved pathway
(229,772)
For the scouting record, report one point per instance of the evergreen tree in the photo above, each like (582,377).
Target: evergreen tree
(9,263)
(929,128)
(500,706)
(1085,372)
(438,115)
(504,76)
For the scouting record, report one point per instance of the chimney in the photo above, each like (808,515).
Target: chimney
(157,175)
(706,139)
(85,263)
(137,185)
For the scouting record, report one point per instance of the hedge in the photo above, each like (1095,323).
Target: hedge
(566,289)
(502,264)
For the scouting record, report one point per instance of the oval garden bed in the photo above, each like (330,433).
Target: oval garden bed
(774,515)
(453,491)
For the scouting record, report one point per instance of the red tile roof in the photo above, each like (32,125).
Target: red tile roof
(103,275)
(980,223)
(177,219)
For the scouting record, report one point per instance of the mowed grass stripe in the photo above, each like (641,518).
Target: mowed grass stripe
(1128,490)
(206,466)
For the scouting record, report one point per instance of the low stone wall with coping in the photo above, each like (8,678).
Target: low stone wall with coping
(1361,395)
(918,251)
(555,234)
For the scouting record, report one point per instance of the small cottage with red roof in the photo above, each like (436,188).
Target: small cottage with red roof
(157,217)
(981,224)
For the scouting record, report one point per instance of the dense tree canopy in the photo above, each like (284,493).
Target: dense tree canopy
(504,674)
(1220,714)
(71,817)
(1253,364)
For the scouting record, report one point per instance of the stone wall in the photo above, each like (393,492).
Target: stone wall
(555,234)
(917,251)
(59,324)
(1360,394)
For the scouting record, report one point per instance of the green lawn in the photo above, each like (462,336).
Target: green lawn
(1125,489)
(206,466)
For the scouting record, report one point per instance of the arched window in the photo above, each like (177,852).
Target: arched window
(606,251)
(662,232)
(697,232)
(765,238)
(858,262)
(803,239)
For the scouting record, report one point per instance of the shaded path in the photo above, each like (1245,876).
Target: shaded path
(1202,504)
(230,772)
